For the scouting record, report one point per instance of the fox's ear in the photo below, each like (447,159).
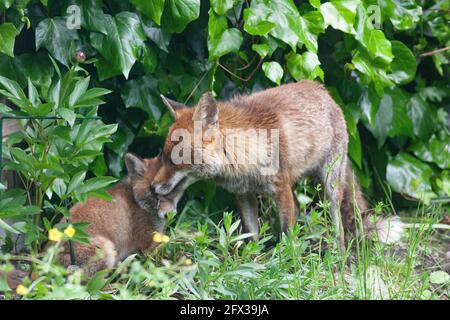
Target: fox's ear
(206,110)
(173,106)
(135,165)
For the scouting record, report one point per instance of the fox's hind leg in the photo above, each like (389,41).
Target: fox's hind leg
(287,208)
(248,209)
(332,174)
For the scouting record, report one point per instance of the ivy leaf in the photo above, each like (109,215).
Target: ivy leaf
(221,40)
(311,25)
(53,35)
(178,13)
(304,66)
(340,14)
(408,175)
(436,150)
(143,93)
(158,36)
(152,9)
(280,18)
(261,49)
(423,117)
(148,59)
(256,19)
(406,14)
(92,16)
(403,67)
(38,68)
(373,40)
(8,33)
(383,120)
(401,122)
(221,6)
(273,71)
(120,48)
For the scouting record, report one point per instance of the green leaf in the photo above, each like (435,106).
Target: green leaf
(76,181)
(143,93)
(152,9)
(95,184)
(273,71)
(373,40)
(340,14)
(304,66)
(92,16)
(280,18)
(178,13)
(221,40)
(408,175)
(383,119)
(38,68)
(439,277)
(256,20)
(261,49)
(68,115)
(403,67)
(406,14)
(401,122)
(221,6)
(53,35)
(311,25)
(149,60)
(436,150)
(8,33)
(423,117)
(78,90)
(120,48)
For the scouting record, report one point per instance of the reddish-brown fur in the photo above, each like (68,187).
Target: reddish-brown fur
(120,227)
(312,141)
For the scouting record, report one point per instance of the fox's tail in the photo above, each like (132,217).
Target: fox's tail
(356,215)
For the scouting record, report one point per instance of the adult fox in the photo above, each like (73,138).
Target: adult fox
(310,139)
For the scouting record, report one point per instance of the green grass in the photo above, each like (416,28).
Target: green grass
(227,265)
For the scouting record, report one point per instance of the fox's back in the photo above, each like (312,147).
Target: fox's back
(307,117)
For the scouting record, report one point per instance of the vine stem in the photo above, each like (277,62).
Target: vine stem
(430,53)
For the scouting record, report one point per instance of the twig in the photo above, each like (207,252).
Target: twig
(196,86)
(430,53)
(240,78)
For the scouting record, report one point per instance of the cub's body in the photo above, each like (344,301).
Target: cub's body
(122,226)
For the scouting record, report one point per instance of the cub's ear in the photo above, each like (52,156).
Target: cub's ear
(173,106)
(206,110)
(135,165)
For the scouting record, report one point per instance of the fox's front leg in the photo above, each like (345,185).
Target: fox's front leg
(286,207)
(248,209)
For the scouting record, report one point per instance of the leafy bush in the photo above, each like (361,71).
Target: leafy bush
(52,155)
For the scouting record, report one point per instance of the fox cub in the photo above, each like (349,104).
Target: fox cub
(123,226)
(310,139)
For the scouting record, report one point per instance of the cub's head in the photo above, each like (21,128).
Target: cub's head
(191,148)
(141,173)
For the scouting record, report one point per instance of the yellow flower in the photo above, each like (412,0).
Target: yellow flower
(54,235)
(188,262)
(70,231)
(158,237)
(22,290)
